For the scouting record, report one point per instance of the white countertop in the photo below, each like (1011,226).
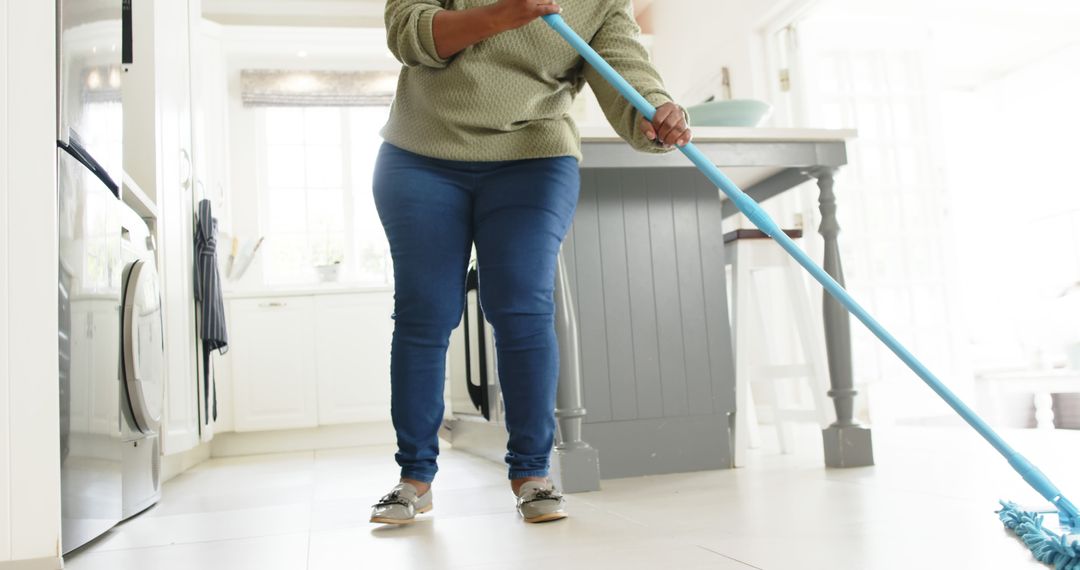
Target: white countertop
(604,133)
(137,200)
(307,290)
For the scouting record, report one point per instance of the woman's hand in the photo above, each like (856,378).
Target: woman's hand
(512,14)
(668,126)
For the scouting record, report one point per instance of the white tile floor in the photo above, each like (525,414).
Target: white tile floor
(927,504)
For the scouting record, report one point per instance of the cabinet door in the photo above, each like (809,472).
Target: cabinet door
(194,142)
(181,431)
(273,363)
(353,334)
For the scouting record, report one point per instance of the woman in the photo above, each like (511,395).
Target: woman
(479,148)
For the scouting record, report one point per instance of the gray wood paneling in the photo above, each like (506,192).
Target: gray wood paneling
(660,445)
(590,294)
(645,259)
(616,289)
(692,300)
(666,283)
(721,356)
(646,341)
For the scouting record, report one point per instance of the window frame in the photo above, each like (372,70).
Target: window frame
(349,277)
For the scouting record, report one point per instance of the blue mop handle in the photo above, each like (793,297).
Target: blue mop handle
(763,221)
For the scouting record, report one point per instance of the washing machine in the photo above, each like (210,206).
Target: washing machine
(142,366)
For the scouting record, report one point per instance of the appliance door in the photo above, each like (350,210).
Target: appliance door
(474,387)
(89,338)
(143,345)
(89,68)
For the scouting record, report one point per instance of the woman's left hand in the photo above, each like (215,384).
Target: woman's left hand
(668,126)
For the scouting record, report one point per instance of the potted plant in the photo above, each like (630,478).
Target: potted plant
(328,263)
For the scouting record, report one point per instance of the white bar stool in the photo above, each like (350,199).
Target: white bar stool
(757,261)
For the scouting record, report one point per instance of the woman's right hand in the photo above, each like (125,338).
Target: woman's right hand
(512,14)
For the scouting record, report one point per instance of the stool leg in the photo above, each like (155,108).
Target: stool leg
(765,356)
(745,418)
(813,345)
(988,400)
(738,455)
(1044,410)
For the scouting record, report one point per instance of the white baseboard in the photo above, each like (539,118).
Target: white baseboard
(173,465)
(47,563)
(305,439)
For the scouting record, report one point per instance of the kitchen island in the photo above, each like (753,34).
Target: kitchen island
(654,389)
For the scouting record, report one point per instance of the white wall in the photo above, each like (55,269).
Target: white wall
(1018,224)
(694,39)
(29,399)
(335,13)
(238,48)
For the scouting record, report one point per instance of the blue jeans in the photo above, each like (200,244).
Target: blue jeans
(517,213)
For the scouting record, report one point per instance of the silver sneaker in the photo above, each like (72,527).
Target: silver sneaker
(400,505)
(538,501)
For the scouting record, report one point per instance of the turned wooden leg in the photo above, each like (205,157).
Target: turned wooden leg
(574,463)
(847,444)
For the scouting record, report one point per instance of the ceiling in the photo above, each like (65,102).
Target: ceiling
(974,41)
(318,13)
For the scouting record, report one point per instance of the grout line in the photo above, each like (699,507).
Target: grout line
(728,557)
(311,510)
(7,547)
(90,549)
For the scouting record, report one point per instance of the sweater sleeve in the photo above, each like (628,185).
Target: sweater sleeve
(409,33)
(617,41)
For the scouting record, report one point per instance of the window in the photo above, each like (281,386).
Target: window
(315,194)
(896,238)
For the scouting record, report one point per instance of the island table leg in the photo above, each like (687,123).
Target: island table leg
(847,444)
(575,464)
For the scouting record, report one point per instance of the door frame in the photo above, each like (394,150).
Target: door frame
(789,105)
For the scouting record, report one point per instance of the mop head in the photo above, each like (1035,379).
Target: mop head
(1061,549)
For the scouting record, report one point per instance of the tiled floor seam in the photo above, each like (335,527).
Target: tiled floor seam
(94,552)
(311,509)
(736,560)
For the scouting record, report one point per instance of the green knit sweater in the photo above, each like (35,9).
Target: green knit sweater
(509,97)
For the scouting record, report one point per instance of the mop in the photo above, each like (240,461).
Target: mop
(1057,544)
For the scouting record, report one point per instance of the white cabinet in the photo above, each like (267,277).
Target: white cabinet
(353,334)
(274,366)
(158,156)
(307,360)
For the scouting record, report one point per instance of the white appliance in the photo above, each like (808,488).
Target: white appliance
(142,365)
(91,36)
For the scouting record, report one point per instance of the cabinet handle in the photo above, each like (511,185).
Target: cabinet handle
(185,177)
(273,304)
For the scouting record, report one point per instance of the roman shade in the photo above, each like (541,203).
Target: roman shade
(317,88)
